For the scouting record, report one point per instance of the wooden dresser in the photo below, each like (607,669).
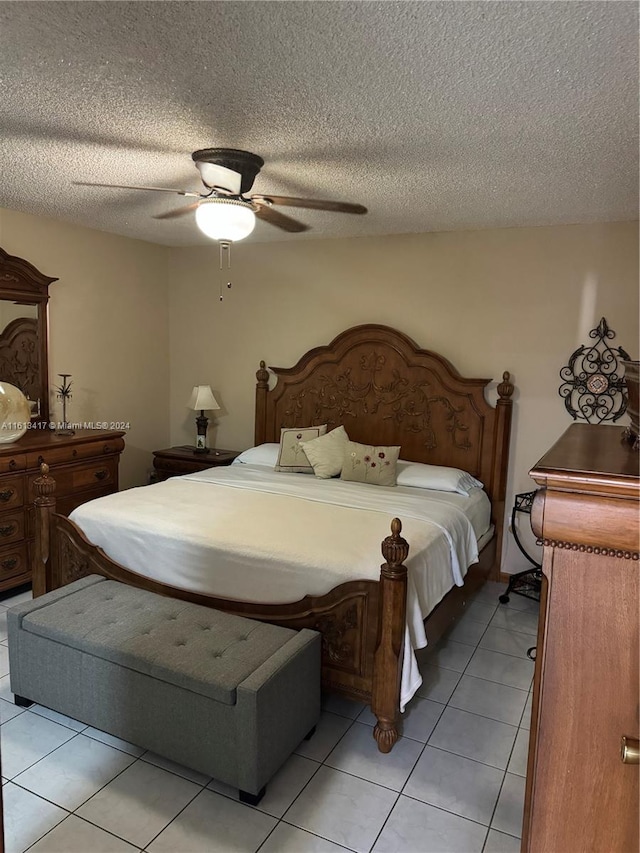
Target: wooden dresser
(580,795)
(85,466)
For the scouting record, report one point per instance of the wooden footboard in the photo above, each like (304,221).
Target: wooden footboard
(361,622)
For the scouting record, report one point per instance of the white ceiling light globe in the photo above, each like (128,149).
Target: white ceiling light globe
(225,219)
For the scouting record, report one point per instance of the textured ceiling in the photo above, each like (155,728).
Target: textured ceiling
(435,115)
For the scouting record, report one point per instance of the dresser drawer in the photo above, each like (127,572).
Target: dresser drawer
(87,475)
(73,453)
(98,473)
(13,561)
(11,527)
(11,493)
(15,462)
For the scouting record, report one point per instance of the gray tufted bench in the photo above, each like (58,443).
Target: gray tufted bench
(221,694)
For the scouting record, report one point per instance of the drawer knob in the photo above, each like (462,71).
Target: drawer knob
(12,463)
(106,448)
(40,460)
(100,475)
(9,564)
(7,494)
(8,529)
(630,750)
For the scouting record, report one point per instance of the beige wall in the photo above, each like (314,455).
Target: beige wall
(519,299)
(109,327)
(139,324)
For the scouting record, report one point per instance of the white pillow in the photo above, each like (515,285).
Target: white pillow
(326,453)
(263,454)
(436,477)
(291,457)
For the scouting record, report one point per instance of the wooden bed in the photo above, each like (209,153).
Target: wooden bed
(387,391)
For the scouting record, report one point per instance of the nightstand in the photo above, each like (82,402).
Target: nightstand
(182,460)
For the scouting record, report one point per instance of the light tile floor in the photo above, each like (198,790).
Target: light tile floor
(454,782)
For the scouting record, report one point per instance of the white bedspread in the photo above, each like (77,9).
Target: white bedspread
(249,533)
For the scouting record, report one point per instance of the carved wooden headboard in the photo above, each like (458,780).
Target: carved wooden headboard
(386,390)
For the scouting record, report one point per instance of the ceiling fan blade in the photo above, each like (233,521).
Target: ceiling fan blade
(312,203)
(181,211)
(124,187)
(273,217)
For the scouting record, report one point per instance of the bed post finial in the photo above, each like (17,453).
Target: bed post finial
(505,388)
(262,374)
(45,505)
(44,485)
(395,549)
(385,695)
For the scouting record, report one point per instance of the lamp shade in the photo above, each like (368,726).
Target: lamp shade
(225,219)
(202,398)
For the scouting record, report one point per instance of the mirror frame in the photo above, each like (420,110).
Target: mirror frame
(20,281)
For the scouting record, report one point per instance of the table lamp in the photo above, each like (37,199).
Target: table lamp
(202,398)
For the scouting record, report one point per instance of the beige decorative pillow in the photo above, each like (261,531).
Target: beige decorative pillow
(291,457)
(365,463)
(326,453)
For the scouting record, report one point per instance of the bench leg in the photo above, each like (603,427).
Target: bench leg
(22,702)
(252,799)
(310,734)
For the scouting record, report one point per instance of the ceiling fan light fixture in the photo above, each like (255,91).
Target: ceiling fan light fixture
(225,219)
(214,175)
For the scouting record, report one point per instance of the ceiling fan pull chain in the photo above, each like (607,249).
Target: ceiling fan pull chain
(225,247)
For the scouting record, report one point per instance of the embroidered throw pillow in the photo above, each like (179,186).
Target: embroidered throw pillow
(291,457)
(365,463)
(326,453)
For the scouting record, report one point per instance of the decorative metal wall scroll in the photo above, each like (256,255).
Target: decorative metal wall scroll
(593,389)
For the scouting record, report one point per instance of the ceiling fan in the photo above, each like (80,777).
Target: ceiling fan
(224,211)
